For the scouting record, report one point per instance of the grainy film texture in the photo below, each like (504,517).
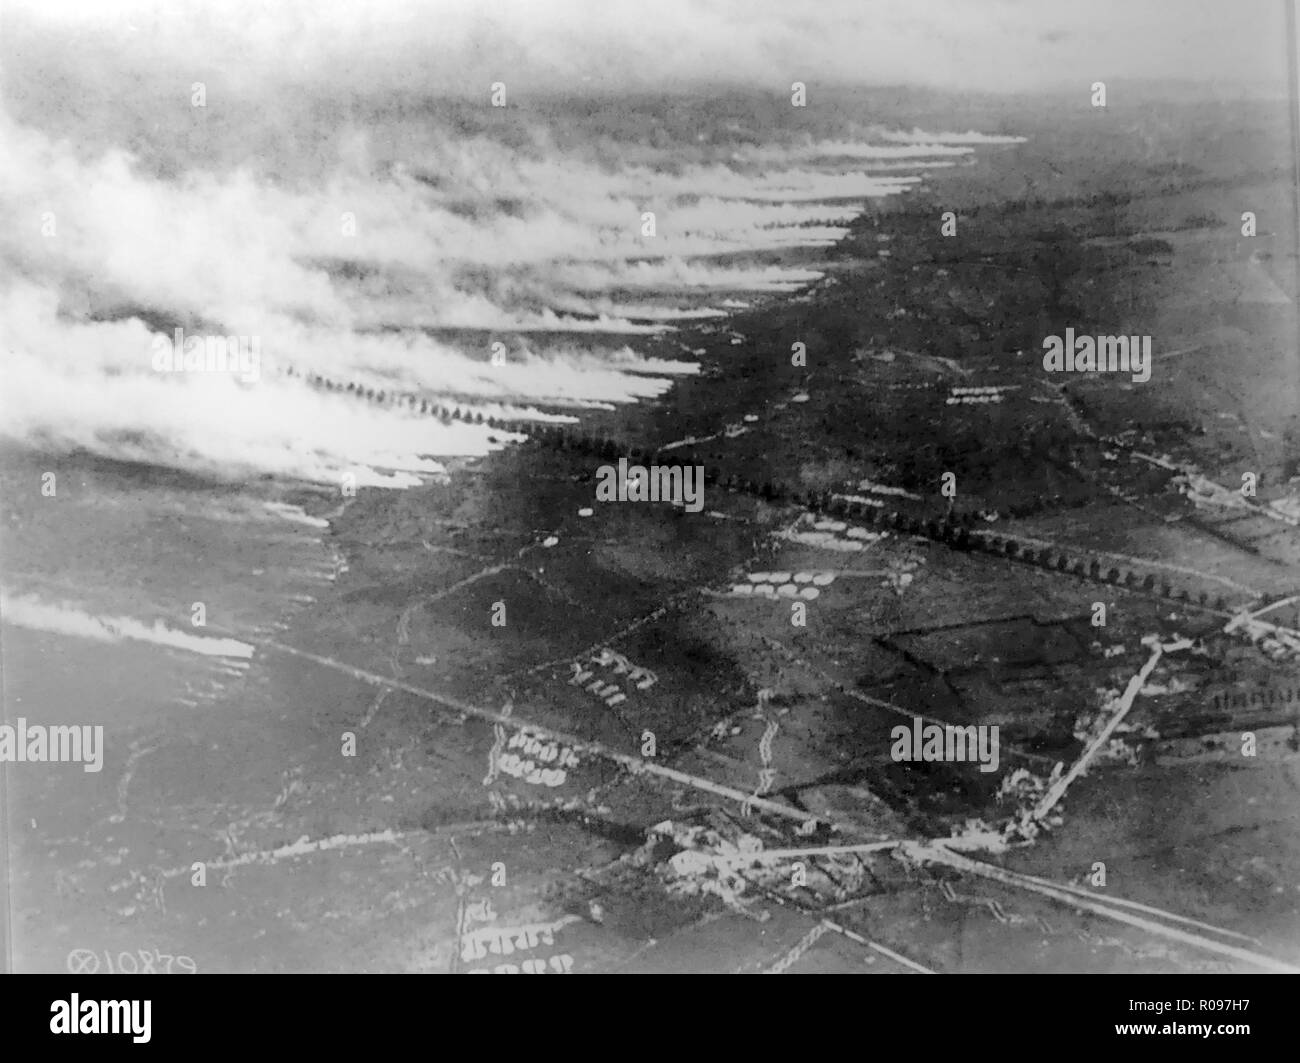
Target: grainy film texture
(568,487)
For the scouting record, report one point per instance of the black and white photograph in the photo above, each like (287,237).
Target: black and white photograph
(692,487)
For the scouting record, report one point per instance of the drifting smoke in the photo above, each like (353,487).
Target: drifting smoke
(920,136)
(847,149)
(368,239)
(28,612)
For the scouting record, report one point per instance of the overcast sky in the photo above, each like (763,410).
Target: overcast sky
(458,45)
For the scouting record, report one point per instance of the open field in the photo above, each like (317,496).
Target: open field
(667,704)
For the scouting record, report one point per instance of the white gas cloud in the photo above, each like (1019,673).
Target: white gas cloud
(325,201)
